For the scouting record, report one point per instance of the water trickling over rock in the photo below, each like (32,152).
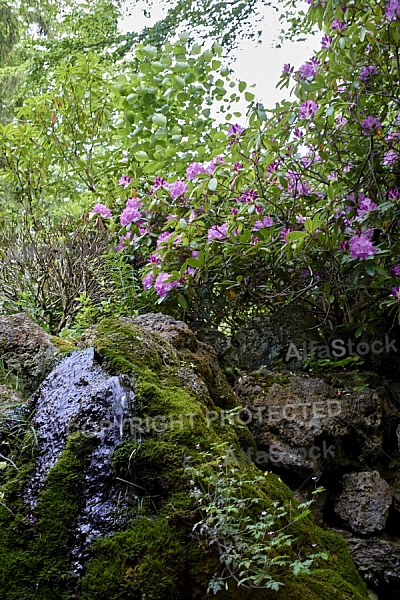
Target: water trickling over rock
(80,396)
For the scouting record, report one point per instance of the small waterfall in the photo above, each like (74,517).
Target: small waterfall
(80,396)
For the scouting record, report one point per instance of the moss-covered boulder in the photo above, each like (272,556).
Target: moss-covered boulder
(178,431)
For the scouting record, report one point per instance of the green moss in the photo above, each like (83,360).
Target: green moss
(33,556)
(64,346)
(147,561)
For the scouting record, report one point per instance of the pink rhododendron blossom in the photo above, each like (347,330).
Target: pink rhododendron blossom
(361,247)
(130,214)
(194,169)
(195,254)
(235,129)
(307,71)
(338,25)
(390,158)
(178,188)
(148,281)
(366,205)
(124,180)
(367,72)
(371,125)
(394,194)
(284,233)
(308,109)
(217,232)
(234,211)
(158,183)
(326,41)
(249,196)
(190,271)
(121,245)
(237,166)
(344,246)
(392,10)
(101,209)
(155,258)
(162,286)
(396,292)
(163,237)
(341,121)
(218,160)
(395,271)
(287,68)
(266,222)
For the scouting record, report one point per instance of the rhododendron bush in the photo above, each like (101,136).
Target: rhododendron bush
(302,203)
(220,221)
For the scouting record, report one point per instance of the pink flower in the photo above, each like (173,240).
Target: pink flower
(284,233)
(395,271)
(162,286)
(266,222)
(130,214)
(101,209)
(361,247)
(390,158)
(148,281)
(178,188)
(121,245)
(366,205)
(163,237)
(193,170)
(392,10)
(235,130)
(158,183)
(371,125)
(124,180)
(394,195)
(217,232)
(396,292)
(308,109)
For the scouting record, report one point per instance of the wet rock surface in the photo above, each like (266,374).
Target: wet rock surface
(26,349)
(80,396)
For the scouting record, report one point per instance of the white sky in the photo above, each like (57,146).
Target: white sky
(255,63)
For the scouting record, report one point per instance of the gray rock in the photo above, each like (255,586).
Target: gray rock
(377,559)
(265,339)
(199,357)
(304,425)
(26,349)
(364,502)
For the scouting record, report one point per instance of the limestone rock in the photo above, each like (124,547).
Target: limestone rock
(364,502)
(26,349)
(304,424)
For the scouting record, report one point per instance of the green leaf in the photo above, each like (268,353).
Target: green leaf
(141,156)
(212,184)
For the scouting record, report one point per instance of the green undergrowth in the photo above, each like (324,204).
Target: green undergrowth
(157,556)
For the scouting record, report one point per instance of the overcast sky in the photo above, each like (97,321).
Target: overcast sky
(260,64)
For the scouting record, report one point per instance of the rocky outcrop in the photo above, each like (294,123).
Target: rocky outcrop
(307,426)
(105,506)
(364,502)
(26,349)
(377,559)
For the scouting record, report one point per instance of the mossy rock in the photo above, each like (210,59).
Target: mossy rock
(157,556)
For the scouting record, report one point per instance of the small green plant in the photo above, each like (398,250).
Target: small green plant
(251,533)
(328,364)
